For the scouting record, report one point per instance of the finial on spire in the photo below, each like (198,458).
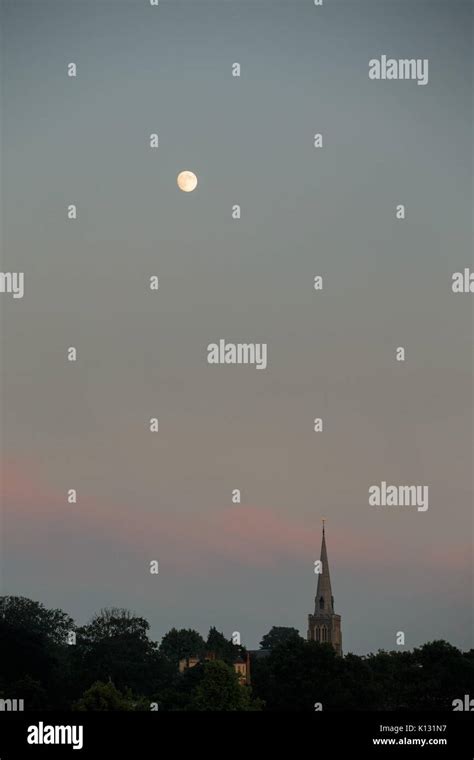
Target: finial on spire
(323,525)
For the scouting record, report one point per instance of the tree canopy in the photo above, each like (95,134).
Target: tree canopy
(279,635)
(115,665)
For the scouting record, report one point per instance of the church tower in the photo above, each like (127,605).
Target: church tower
(325,626)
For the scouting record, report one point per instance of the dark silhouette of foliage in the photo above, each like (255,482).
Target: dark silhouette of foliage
(114,665)
(279,635)
(182,643)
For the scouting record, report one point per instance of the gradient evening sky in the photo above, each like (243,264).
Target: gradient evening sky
(331,354)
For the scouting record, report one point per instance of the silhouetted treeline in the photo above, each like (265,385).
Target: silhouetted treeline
(112,664)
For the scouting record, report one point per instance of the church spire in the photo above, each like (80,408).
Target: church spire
(324,626)
(324,601)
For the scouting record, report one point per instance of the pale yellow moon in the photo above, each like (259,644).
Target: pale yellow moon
(187,181)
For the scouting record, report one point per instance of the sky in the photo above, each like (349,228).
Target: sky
(305,211)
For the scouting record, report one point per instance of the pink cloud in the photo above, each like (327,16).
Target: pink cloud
(39,519)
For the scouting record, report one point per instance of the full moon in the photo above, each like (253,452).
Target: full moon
(187,181)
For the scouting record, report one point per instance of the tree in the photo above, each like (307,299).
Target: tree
(21,613)
(219,689)
(297,675)
(224,649)
(358,687)
(177,644)
(279,635)
(102,697)
(444,674)
(115,622)
(31,691)
(33,644)
(428,678)
(115,666)
(397,676)
(115,646)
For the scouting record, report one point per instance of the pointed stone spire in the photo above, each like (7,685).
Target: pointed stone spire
(324,601)
(324,626)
